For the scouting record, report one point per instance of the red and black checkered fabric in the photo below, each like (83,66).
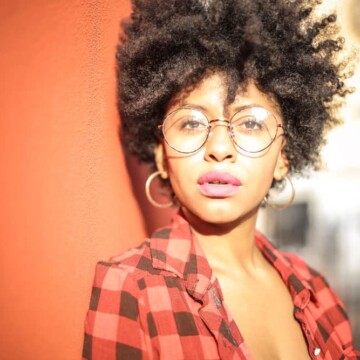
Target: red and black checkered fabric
(161,300)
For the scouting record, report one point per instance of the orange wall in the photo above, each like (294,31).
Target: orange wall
(65,196)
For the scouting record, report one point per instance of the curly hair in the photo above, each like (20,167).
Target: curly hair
(290,54)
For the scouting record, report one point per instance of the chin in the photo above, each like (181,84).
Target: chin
(220,215)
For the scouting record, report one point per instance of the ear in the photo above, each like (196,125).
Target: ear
(160,160)
(282,166)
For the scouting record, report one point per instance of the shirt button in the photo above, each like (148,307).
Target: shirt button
(317,351)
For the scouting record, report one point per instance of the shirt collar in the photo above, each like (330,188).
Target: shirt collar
(175,249)
(300,290)
(172,246)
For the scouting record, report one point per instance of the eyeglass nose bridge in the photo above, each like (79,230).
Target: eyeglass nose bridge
(220,120)
(223,122)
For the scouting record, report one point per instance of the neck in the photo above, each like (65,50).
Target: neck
(228,247)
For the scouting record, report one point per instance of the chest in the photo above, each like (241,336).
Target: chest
(263,312)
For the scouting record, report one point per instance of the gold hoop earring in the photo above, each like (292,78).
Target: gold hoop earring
(148,192)
(279,205)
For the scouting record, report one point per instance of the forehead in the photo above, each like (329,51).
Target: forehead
(211,95)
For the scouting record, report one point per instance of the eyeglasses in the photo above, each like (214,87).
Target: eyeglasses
(252,129)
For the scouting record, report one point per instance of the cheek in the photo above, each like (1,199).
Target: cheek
(183,173)
(260,172)
(180,171)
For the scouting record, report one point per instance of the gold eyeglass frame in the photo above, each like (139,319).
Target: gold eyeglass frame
(228,125)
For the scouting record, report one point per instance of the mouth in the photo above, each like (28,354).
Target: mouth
(218,184)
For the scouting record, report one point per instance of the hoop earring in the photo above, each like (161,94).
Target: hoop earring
(281,206)
(148,192)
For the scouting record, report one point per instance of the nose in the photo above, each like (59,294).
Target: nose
(219,146)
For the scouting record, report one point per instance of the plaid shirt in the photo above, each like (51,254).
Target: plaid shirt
(160,300)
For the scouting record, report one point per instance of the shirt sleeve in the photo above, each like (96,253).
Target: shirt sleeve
(114,328)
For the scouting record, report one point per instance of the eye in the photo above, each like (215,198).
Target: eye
(248,124)
(192,124)
(252,124)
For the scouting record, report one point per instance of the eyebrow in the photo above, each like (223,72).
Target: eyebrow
(195,106)
(243,107)
(235,110)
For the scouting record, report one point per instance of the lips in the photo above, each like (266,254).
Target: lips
(218,184)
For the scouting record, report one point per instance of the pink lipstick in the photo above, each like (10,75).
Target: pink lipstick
(218,184)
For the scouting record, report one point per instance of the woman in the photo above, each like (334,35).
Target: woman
(226,98)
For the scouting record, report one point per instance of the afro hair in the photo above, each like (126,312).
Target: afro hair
(290,53)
